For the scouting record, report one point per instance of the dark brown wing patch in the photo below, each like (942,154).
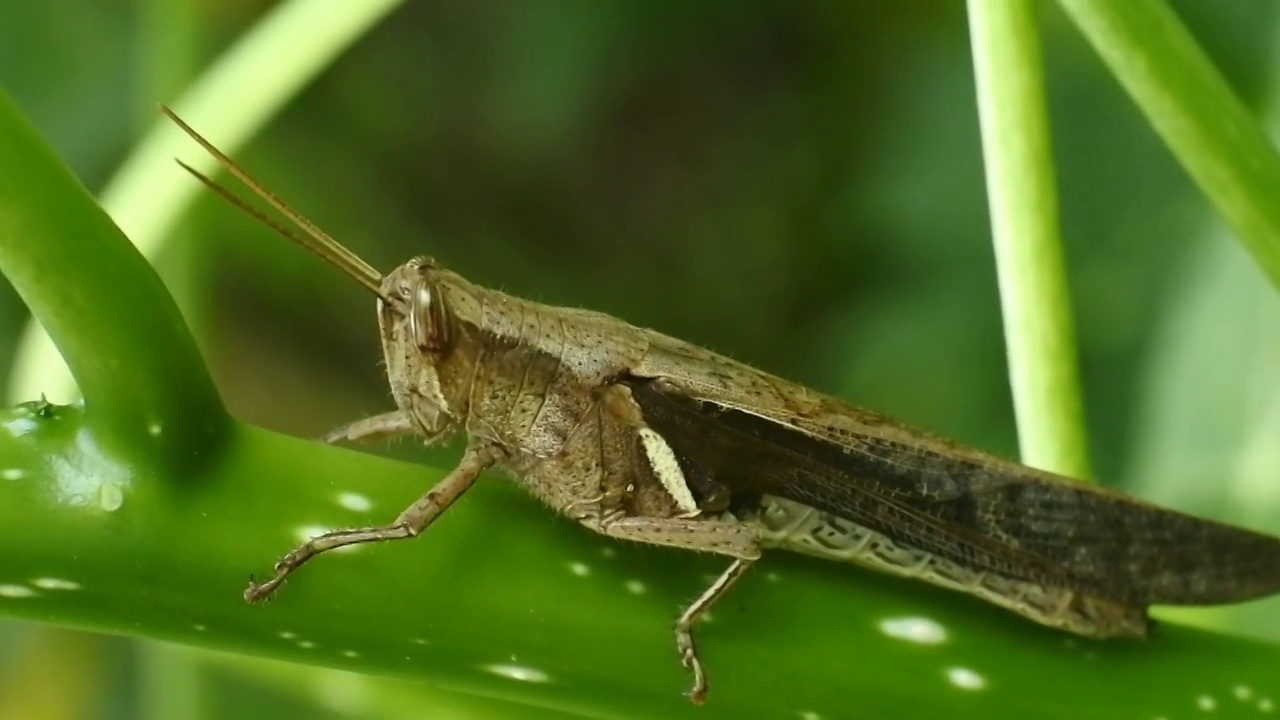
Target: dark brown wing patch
(970,508)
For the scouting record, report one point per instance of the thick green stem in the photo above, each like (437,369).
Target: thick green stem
(74,269)
(1039,331)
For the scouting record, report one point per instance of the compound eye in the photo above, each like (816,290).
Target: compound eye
(428,321)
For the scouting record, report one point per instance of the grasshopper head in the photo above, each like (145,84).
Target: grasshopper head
(419,336)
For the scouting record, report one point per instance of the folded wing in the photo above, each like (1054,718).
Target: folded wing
(955,502)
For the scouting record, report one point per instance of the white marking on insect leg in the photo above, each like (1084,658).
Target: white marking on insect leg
(665,465)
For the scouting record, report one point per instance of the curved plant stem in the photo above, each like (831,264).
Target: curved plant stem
(1190,105)
(239,94)
(1039,332)
(72,267)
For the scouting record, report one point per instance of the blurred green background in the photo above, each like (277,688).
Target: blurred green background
(797,185)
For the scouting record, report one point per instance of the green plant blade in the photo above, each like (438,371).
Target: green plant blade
(1196,113)
(73,268)
(1036,306)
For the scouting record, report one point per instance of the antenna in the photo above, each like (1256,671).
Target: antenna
(312,237)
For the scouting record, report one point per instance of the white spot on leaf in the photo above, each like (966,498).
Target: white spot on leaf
(52,583)
(355,502)
(110,496)
(635,587)
(580,569)
(12,474)
(16,591)
(914,629)
(18,427)
(522,673)
(966,679)
(1206,703)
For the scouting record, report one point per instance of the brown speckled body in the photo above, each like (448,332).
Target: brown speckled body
(563,391)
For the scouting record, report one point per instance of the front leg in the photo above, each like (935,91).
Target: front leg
(741,543)
(379,427)
(410,523)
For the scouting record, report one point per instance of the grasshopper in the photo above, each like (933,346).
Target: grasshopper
(640,436)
